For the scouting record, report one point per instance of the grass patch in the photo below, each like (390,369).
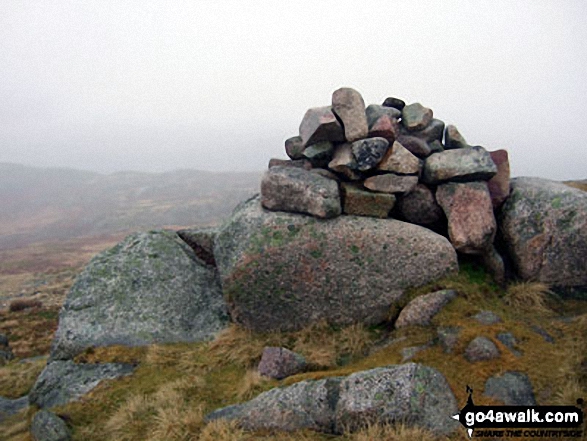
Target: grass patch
(17,379)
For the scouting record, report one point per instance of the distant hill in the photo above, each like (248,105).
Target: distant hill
(57,203)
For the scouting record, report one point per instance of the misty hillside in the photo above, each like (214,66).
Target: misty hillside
(54,203)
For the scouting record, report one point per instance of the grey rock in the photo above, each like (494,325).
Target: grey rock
(3,341)
(495,265)
(284,271)
(419,311)
(543,333)
(416,116)
(349,106)
(46,426)
(149,288)
(453,139)
(294,147)
(6,355)
(9,407)
(320,153)
(509,341)
(411,351)
(201,240)
(544,226)
(360,202)
(298,163)
(398,159)
(448,336)
(432,132)
(391,183)
(461,165)
(375,111)
(487,317)
(512,388)
(419,206)
(320,124)
(64,381)
(481,349)
(436,146)
(394,102)
(369,152)
(280,363)
(300,191)
(417,146)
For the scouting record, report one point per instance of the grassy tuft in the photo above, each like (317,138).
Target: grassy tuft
(221,430)
(528,296)
(387,432)
(251,385)
(17,379)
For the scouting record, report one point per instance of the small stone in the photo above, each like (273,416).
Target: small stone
(411,351)
(344,163)
(398,159)
(320,124)
(300,191)
(360,202)
(419,312)
(461,165)
(453,139)
(499,185)
(487,317)
(5,351)
(432,132)
(543,333)
(391,183)
(512,388)
(471,223)
(509,341)
(416,116)
(294,147)
(419,206)
(436,146)
(394,102)
(417,146)
(384,127)
(320,153)
(481,349)
(299,163)
(279,363)
(448,336)
(369,152)
(9,407)
(46,426)
(375,111)
(349,106)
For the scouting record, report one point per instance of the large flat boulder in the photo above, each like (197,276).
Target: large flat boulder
(282,271)
(544,225)
(463,165)
(150,288)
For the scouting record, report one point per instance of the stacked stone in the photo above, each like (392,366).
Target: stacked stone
(391,160)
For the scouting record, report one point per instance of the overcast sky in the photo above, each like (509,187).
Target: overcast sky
(219,85)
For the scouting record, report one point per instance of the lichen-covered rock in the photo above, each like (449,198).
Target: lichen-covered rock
(320,124)
(280,363)
(453,138)
(284,271)
(294,147)
(391,183)
(499,185)
(349,106)
(411,393)
(300,191)
(419,312)
(360,202)
(150,288)
(512,388)
(420,207)
(544,226)
(9,407)
(481,349)
(416,116)
(298,163)
(344,163)
(64,381)
(400,160)
(471,222)
(319,154)
(46,426)
(461,165)
(369,152)
(432,132)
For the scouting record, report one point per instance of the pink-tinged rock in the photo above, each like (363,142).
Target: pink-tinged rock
(360,202)
(419,312)
(416,116)
(419,207)
(294,147)
(299,163)
(344,162)
(385,127)
(391,183)
(499,185)
(279,363)
(417,146)
(471,223)
(320,124)
(349,106)
(398,159)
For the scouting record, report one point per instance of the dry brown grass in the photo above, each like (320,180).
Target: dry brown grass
(251,385)
(16,427)
(30,331)
(581,185)
(528,296)
(222,430)
(22,304)
(398,432)
(16,379)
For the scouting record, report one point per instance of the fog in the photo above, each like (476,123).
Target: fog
(219,85)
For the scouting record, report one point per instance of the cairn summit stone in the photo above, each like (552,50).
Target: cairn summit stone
(416,116)
(349,106)
(320,124)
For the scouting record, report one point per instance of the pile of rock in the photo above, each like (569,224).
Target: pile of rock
(391,160)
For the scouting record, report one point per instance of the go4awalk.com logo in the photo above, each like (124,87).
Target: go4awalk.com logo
(521,421)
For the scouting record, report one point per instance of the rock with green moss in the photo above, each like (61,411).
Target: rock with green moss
(283,271)
(150,288)
(544,224)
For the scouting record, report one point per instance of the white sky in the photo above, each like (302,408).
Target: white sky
(219,85)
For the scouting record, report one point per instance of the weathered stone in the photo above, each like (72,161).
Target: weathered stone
(325,173)
(300,191)
(509,341)
(412,393)
(411,351)
(201,240)
(462,165)
(280,363)
(544,226)
(394,102)
(5,351)
(320,124)
(494,264)
(299,163)
(294,147)
(512,388)
(436,146)
(499,185)
(9,407)
(416,116)
(471,223)
(344,162)
(398,159)
(419,312)
(149,288)
(487,317)
(374,112)
(349,106)
(384,127)
(453,139)
(448,336)
(419,206)
(369,152)
(320,153)
(391,183)
(481,349)
(285,271)
(432,132)
(543,333)
(417,146)
(64,381)
(46,426)
(360,202)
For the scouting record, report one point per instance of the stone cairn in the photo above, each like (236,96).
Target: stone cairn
(392,160)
